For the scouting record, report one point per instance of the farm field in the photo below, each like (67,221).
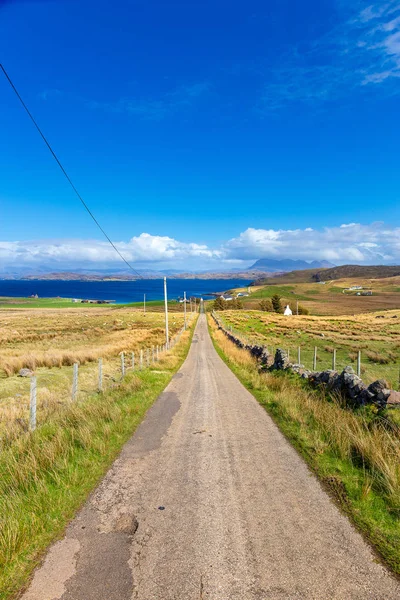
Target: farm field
(376,335)
(10,303)
(49,341)
(328,298)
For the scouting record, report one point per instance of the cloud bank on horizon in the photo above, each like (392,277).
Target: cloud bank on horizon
(353,243)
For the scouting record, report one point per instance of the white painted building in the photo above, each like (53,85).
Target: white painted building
(288,311)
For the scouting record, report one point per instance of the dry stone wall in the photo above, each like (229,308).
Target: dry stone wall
(347,383)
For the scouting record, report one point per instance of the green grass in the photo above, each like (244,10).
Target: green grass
(285,291)
(47,475)
(7,302)
(19,302)
(355,455)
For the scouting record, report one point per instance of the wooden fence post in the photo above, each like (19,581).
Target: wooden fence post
(334,360)
(315,359)
(74,394)
(157,356)
(100,384)
(299,355)
(32,405)
(122,364)
(147,357)
(359,363)
(141,360)
(133,361)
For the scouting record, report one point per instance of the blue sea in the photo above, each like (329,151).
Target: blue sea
(120,291)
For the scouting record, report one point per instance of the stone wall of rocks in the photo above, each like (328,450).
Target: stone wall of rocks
(347,383)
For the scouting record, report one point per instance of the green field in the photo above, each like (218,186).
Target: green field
(8,302)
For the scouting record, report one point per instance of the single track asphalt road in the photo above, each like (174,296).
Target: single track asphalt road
(209,501)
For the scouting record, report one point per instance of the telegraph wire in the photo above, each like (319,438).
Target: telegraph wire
(64,171)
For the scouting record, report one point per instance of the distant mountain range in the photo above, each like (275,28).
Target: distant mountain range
(264,267)
(274,266)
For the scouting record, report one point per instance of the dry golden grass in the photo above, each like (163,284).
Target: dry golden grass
(35,338)
(50,341)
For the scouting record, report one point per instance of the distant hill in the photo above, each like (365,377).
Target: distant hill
(351,271)
(342,272)
(272,265)
(79,276)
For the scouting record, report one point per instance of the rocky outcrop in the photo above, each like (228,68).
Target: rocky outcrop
(25,373)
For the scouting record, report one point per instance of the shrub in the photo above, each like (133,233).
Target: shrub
(276,303)
(219,303)
(302,310)
(266,305)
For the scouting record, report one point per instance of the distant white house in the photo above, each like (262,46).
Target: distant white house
(242,294)
(227,298)
(288,311)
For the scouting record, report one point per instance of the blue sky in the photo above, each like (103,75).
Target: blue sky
(202,134)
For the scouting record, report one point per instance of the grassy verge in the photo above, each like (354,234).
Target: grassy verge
(46,476)
(356,455)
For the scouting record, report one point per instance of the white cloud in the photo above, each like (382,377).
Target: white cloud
(142,249)
(346,243)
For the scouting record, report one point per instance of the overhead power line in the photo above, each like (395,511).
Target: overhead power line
(64,171)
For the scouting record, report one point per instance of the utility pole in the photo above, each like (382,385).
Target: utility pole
(144,303)
(184,308)
(166,313)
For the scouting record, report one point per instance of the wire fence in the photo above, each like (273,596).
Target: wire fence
(323,356)
(47,390)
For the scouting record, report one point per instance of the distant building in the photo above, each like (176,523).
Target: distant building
(242,294)
(227,298)
(288,311)
(367,293)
